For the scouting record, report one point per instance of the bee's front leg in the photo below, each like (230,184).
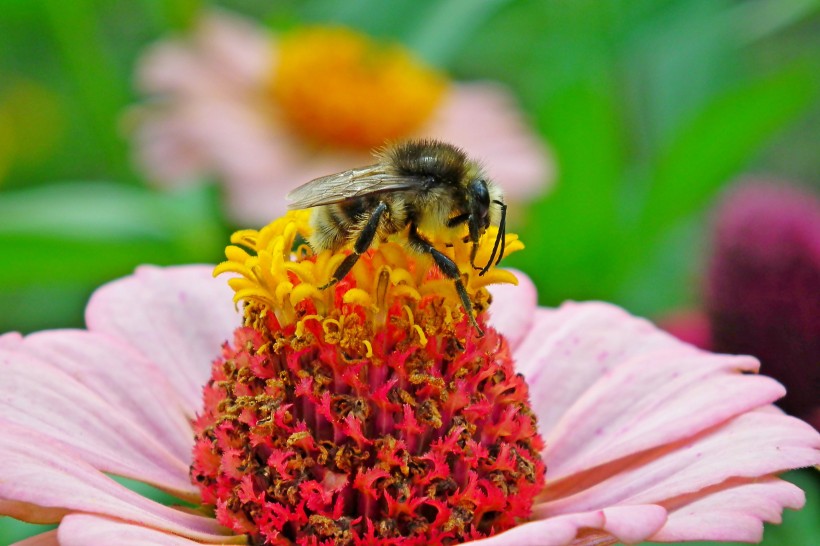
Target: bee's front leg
(473,252)
(461,219)
(363,242)
(448,267)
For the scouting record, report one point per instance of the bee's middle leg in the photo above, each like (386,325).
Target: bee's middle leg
(363,242)
(448,267)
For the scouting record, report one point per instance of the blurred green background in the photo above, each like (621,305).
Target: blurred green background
(650,106)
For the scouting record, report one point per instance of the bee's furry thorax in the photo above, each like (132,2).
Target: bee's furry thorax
(427,190)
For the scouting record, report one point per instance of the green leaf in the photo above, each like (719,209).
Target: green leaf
(60,241)
(151,492)
(100,84)
(370,16)
(670,276)
(571,232)
(12,530)
(760,19)
(447,27)
(182,14)
(716,142)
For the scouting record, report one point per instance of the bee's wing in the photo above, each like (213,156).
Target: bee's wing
(348,185)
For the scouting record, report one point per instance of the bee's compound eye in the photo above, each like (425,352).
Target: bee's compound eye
(480,193)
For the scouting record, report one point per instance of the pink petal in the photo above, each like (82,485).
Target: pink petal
(231,137)
(632,416)
(48,538)
(239,46)
(628,524)
(753,445)
(634,523)
(637,408)
(227,54)
(513,308)
(84,529)
(41,398)
(734,514)
(211,117)
(178,317)
(606,385)
(164,149)
(557,531)
(9,340)
(483,119)
(130,383)
(254,156)
(171,67)
(41,479)
(572,347)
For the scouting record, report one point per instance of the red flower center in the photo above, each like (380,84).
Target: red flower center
(385,422)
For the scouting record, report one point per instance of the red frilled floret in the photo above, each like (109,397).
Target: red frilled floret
(320,439)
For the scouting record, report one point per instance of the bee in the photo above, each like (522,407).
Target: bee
(418,186)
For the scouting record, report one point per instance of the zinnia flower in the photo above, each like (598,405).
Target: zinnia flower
(373,413)
(265,114)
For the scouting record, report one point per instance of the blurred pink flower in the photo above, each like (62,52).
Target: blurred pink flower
(689,325)
(647,438)
(212,113)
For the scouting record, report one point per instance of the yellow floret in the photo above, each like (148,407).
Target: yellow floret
(367,93)
(274,270)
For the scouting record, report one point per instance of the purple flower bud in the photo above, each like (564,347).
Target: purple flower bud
(763,288)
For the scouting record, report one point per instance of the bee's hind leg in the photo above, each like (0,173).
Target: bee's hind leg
(363,242)
(448,267)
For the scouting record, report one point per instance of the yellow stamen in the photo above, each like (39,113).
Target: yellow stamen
(358,296)
(337,87)
(304,291)
(409,314)
(272,273)
(420,332)
(369,346)
(406,291)
(327,323)
(300,326)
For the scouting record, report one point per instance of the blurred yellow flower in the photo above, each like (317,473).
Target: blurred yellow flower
(265,113)
(348,110)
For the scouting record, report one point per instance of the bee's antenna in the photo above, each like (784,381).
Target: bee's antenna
(499,239)
(502,230)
